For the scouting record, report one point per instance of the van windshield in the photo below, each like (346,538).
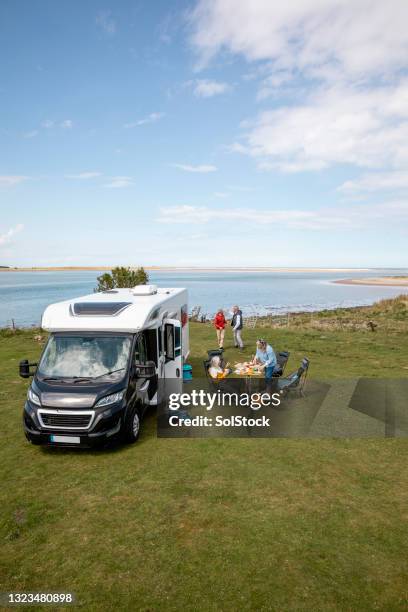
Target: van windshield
(102,357)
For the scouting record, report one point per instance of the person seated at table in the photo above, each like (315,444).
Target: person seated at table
(216,371)
(265,358)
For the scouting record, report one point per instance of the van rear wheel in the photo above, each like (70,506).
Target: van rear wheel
(131,428)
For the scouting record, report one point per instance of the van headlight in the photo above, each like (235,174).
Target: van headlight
(110,399)
(33,397)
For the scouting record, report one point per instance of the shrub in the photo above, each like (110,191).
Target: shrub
(122,277)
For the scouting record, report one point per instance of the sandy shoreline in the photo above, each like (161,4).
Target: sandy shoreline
(384,281)
(182,269)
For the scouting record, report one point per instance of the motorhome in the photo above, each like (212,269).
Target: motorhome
(109,356)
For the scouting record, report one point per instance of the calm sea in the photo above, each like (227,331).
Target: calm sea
(24,295)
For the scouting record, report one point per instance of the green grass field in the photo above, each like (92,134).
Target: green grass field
(212,524)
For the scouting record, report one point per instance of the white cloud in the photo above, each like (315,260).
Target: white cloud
(201,168)
(346,218)
(236,147)
(30,134)
(7,236)
(335,69)
(272,85)
(48,124)
(84,175)
(205,88)
(354,38)
(67,124)
(152,118)
(106,23)
(202,214)
(377,181)
(221,194)
(335,125)
(11,180)
(117,182)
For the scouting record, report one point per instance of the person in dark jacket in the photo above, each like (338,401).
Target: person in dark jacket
(237,324)
(219,324)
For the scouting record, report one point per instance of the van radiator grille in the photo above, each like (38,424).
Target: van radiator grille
(66,421)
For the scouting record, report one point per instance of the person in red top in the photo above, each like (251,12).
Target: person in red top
(219,324)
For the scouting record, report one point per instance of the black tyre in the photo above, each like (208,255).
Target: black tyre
(31,441)
(131,427)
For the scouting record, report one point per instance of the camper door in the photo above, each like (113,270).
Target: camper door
(173,366)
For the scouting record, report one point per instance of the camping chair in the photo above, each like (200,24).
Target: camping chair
(206,364)
(281,361)
(296,380)
(217,353)
(214,383)
(213,353)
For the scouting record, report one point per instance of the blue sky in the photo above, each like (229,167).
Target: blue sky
(204,133)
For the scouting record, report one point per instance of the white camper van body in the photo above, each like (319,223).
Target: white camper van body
(146,305)
(146,308)
(123,349)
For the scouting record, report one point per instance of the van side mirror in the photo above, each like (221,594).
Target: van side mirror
(145,370)
(24,368)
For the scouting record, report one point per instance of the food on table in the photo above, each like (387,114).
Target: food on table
(247,369)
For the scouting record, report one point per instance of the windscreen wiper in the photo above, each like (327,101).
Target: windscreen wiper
(78,379)
(107,373)
(66,380)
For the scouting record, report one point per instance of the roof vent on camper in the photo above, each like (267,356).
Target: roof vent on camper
(98,309)
(144,290)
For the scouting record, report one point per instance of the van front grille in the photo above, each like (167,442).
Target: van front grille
(65,419)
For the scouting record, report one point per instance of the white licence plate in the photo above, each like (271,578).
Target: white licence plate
(66,439)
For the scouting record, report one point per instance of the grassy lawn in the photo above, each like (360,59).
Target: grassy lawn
(213,524)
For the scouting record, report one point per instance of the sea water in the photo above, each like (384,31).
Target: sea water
(24,295)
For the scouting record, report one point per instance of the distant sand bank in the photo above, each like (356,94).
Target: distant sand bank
(183,269)
(390,281)
(58,269)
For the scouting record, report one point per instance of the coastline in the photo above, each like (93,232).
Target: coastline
(183,269)
(349,316)
(384,281)
(258,290)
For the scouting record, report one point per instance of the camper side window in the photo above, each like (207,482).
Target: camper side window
(177,341)
(169,341)
(140,351)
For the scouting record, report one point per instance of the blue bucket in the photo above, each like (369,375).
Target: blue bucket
(187,372)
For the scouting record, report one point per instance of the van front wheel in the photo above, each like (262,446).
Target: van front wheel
(131,428)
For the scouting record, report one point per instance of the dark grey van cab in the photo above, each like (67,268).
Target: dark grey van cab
(107,359)
(88,388)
